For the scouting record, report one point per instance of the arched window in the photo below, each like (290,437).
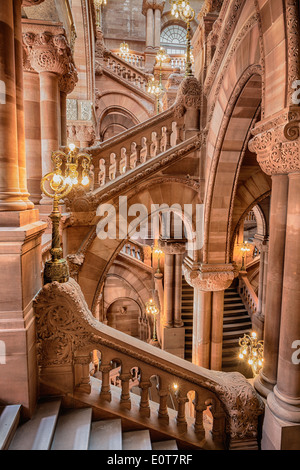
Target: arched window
(173,39)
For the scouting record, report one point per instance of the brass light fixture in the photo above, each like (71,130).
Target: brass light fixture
(152,309)
(158,253)
(252,351)
(124,49)
(183,9)
(161,57)
(155,88)
(98,5)
(69,168)
(244,249)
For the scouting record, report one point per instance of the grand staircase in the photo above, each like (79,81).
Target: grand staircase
(54,428)
(237,322)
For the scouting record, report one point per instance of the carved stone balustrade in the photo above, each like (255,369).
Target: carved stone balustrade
(66,330)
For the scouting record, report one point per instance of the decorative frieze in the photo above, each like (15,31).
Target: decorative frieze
(277,143)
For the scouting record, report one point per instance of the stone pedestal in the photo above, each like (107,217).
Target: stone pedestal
(279,434)
(173,341)
(21,264)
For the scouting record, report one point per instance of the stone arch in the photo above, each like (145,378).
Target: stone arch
(100,254)
(234,130)
(115,117)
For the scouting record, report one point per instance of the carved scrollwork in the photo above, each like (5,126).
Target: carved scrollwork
(188,96)
(209,278)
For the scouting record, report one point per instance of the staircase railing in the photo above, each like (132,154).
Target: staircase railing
(247,294)
(126,151)
(68,333)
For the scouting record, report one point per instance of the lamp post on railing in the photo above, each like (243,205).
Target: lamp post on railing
(98,5)
(161,57)
(155,89)
(68,169)
(158,253)
(244,249)
(152,309)
(124,50)
(183,9)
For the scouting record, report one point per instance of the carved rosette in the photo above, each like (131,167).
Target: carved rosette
(277,143)
(209,278)
(188,96)
(49,51)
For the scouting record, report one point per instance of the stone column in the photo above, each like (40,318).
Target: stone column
(173,329)
(20,103)
(209,283)
(152,9)
(150,28)
(277,145)
(157,27)
(50,55)
(11,197)
(33,133)
(286,400)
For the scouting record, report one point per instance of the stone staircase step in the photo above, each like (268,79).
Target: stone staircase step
(235,334)
(37,434)
(237,311)
(106,435)
(236,318)
(9,420)
(136,440)
(236,326)
(73,430)
(165,445)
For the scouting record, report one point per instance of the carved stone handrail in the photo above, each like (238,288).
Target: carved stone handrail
(131,148)
(247,294)
(67,334)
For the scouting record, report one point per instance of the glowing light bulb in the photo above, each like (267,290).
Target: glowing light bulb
(68,181)
(253,334)
(57,179)
(175,386)
(72,147)
(241,356)
(85,180)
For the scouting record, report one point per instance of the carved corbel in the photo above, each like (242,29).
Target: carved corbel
(188,96)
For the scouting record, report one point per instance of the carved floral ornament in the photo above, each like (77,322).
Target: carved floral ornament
(209,278)
(49,51)
(65,327)
(277,144)
(188,96)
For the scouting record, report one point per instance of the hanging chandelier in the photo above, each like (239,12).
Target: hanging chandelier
(182,9)
(251,350)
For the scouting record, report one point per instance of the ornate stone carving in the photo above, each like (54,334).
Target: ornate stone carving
(49,51)
(66,329)
(83,133)
(277,143)
(209,278)
(188,96)
(172,247)
(75,262)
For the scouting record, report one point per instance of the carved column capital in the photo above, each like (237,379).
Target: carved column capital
(153,4)
(277,143)
(48,50)
(209,278)
(188,96)
(172,248)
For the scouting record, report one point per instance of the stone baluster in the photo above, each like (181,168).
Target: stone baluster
(181,418)
(105,392)
(144,403)
(125,395)
(82,372)
(198,425)
(163,408)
